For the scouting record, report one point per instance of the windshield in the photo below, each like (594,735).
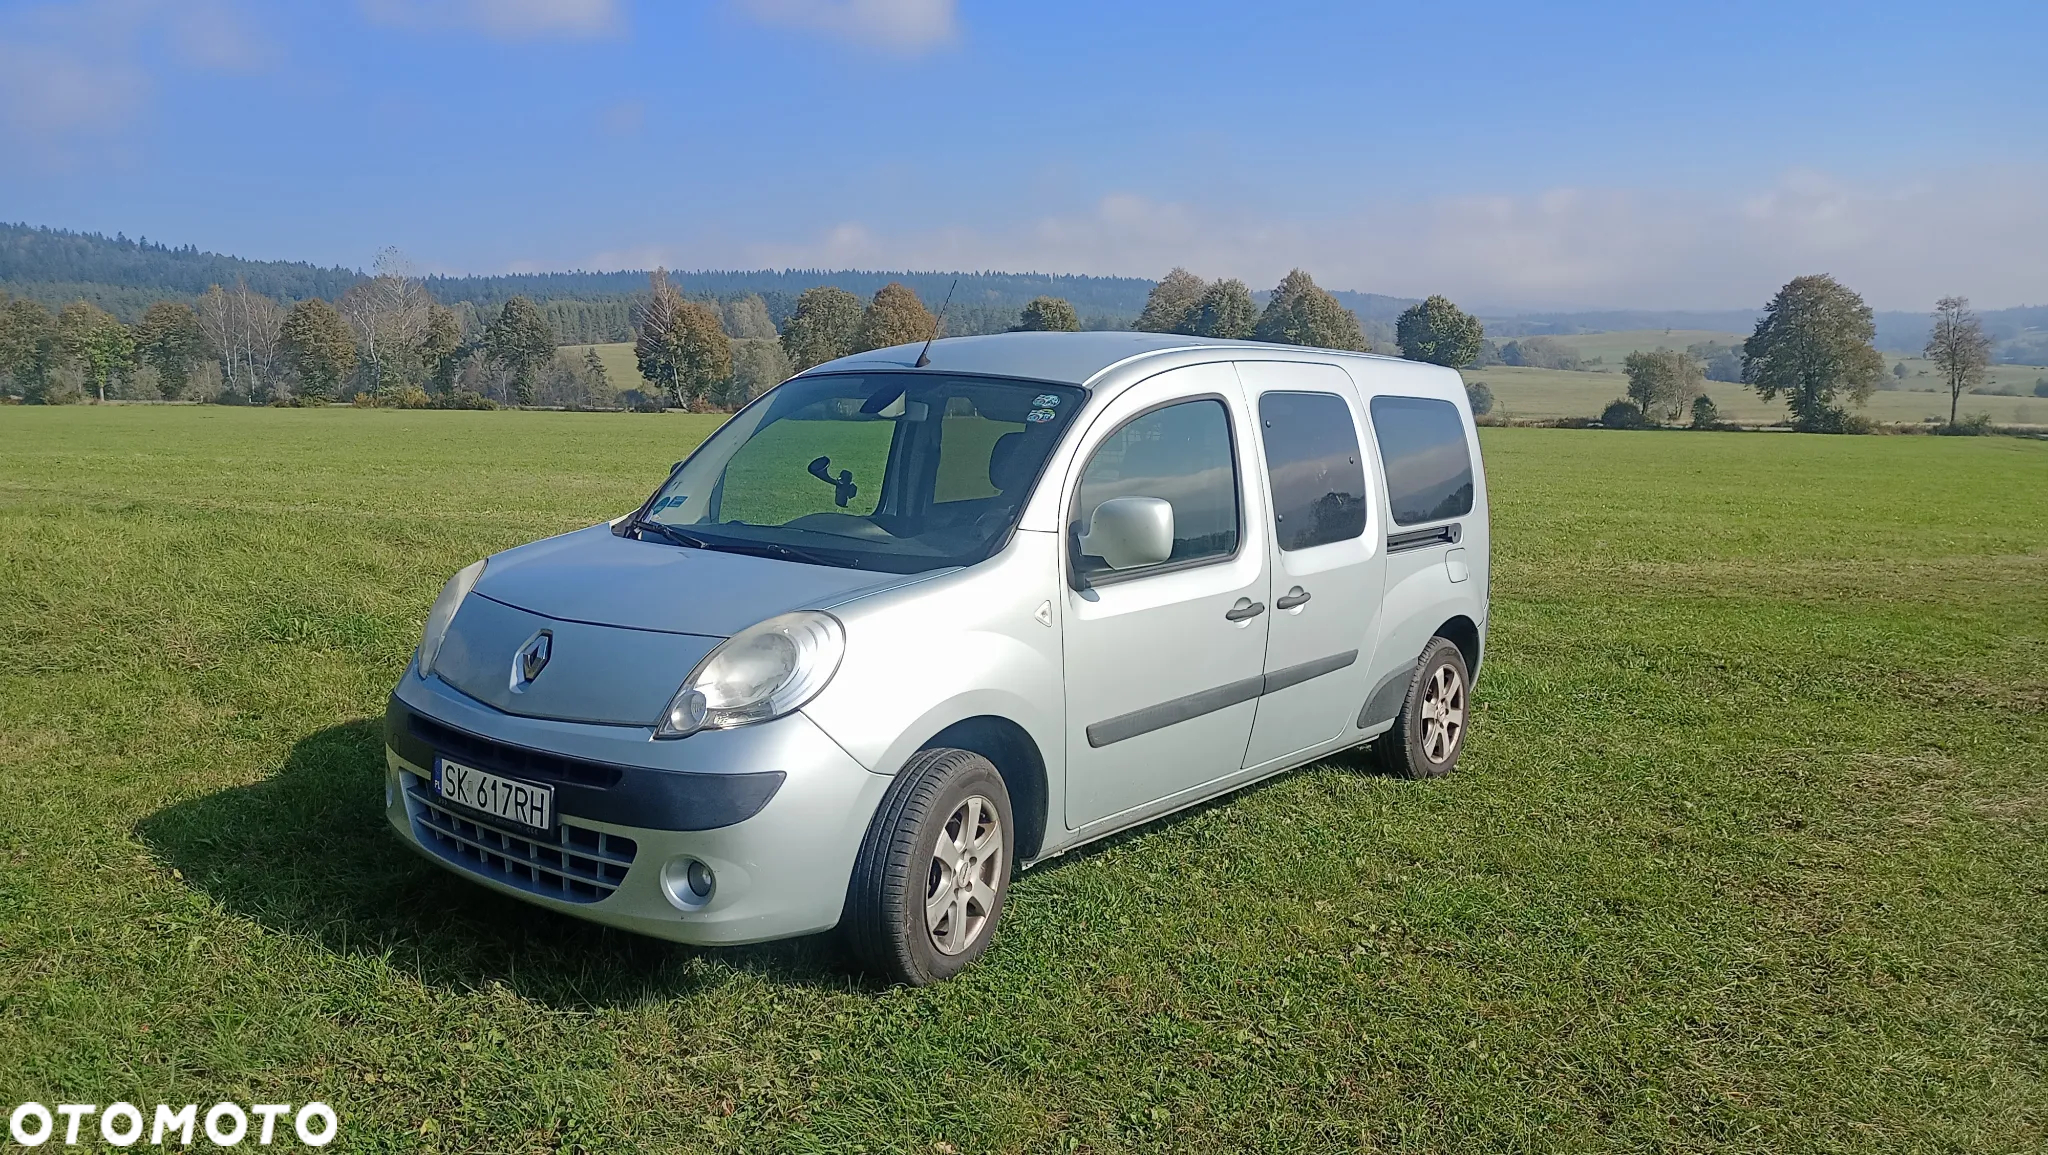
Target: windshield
(900,472)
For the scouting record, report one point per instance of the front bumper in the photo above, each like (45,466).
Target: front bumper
(777,811)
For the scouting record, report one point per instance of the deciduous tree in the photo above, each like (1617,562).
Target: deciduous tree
(101,347)
(1480,396)
(29,350)
(520,341)
(317,347)
(169,340)
(1226,310)
(242,326)
(657,347)
(1300,313)
(894,317)
(757,366)
(746,318)
(1539,353)
(1958,347)
(1812,346)
(1170,306)
(703,352)
(824,326)
(1663,383)
(1048,315)
(389,314)
(1438,332)
(440,348)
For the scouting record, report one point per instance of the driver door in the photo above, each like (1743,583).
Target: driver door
(1164,662)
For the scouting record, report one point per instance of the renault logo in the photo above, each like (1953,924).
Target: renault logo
(532,659)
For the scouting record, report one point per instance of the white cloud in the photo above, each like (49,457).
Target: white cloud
(72,79)
(900,25)
(1979,232)
(508,19)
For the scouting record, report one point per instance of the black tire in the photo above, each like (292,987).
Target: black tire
(885,923)
(1416,748)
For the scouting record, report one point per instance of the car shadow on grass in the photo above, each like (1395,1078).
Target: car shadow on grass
(308,852)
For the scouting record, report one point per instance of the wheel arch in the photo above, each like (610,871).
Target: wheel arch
(1463,633)
(1017,758)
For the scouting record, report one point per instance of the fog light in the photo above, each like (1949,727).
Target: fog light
(688,883)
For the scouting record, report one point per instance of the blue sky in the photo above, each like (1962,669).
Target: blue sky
(1511,154)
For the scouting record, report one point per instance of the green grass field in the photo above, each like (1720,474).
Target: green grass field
(1749,851)
(619,364)
(1539,393)
(1613,347)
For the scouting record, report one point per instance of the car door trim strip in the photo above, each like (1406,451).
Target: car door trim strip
(1295,675)
(1182,709)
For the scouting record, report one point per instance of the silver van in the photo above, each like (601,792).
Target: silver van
(915,619)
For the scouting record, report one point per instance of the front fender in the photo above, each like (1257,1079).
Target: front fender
(966,644)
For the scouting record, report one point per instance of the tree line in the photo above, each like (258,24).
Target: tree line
(386,340)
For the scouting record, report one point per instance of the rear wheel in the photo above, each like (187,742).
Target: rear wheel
(928,886)
(1429,733)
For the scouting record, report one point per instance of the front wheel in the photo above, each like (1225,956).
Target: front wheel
(929,883)
(1429,733)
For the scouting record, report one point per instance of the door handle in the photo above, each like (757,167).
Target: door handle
(1295,597)
(1245,608)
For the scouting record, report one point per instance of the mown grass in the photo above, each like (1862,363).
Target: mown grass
(1539,393)
(1747,852)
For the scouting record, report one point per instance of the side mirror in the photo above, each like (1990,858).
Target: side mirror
(1128,532)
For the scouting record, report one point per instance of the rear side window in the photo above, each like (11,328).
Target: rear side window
(1182,454)
(1312,459)
(1429,467)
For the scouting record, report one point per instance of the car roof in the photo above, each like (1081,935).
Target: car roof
(1067,358)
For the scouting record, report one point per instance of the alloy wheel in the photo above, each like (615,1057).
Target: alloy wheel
(1443,714)
(966,871)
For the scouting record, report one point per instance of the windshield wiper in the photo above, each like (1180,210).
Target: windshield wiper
(641,525)
(785,552)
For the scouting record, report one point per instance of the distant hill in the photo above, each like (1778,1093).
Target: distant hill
(123,276)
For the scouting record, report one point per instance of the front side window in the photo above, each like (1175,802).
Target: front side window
(1428,465)
(1312,459)
(895,471)
(1181,454)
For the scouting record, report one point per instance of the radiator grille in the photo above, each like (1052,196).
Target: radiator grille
(575,864)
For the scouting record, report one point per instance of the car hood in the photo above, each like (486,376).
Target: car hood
(598,577)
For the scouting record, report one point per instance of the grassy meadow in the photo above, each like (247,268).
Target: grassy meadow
(619,363)
(1541,393)
(1749,850)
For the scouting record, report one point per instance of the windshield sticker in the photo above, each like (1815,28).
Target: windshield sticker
(1040,415)
(669,502)
(1046,400)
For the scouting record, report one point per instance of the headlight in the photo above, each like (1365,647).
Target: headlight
(458,587)
(762,672)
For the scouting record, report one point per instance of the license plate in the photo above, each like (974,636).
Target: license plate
(502,798)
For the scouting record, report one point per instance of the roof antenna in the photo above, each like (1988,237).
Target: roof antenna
(924,355)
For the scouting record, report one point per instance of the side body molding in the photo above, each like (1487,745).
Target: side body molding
(1181,709)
